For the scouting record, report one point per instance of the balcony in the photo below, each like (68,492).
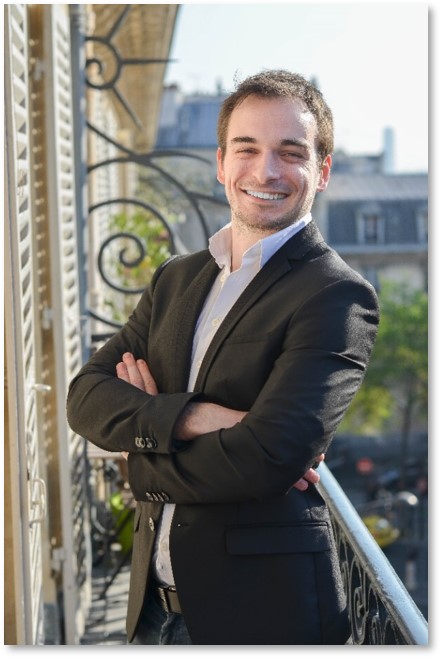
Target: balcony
(381,610)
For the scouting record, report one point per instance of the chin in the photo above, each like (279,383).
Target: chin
(266,224)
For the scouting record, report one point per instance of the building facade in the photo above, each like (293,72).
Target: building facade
(377,221)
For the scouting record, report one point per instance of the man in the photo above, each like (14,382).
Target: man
(232,374)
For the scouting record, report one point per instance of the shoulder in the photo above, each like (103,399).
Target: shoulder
(179,265)
(320,271)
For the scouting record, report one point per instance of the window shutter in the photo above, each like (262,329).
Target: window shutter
(66,314)
(27,484)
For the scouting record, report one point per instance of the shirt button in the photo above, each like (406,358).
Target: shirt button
(215,322)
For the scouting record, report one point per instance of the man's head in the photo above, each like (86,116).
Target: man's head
(275,137)
(281,84)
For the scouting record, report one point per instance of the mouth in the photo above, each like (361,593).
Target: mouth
(266,196)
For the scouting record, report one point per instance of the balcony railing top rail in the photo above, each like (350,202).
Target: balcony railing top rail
(381,609)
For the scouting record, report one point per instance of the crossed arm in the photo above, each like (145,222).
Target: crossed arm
(198,417)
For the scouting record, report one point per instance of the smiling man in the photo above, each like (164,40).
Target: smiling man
(227,385)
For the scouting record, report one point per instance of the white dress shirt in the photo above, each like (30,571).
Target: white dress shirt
(226,289)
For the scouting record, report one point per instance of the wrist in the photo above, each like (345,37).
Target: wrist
(185,427)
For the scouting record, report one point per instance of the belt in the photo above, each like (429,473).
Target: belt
(167,598)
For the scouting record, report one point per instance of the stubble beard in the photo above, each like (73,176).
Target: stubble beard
(261,224)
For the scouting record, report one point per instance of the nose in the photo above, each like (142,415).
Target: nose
(266,167)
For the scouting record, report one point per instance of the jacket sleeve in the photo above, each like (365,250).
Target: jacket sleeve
(312,382)
(115,415)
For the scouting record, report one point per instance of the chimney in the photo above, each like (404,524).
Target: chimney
(388,151)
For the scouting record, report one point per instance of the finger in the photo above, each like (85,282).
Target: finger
(135,377)
(147,377)
(312,476)
(121,372)
(301,484)
(125,455)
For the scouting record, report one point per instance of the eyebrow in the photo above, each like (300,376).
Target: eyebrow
(284,142)
(295,142)
(243,140)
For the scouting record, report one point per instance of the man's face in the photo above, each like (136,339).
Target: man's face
(270,168)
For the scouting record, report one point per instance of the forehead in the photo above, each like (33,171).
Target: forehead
(272,118)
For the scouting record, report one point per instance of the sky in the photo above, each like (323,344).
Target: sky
(370,60)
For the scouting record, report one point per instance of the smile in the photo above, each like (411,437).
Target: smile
(265,195)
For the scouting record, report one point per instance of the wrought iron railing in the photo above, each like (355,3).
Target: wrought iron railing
(160,194)
(381,609)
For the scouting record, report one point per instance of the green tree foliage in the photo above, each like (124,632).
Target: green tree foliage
(395,390)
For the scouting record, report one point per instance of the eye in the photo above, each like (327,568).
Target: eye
(246,152)
(293,155)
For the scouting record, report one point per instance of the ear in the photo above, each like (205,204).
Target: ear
(220,167)
(325,174)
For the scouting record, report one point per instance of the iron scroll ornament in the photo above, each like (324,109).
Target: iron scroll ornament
(109,66)
(177,190)
(119,63)
(141,247)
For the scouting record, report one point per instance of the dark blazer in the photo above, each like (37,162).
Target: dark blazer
(254,560)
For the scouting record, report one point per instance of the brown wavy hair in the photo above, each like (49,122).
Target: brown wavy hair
(281,84)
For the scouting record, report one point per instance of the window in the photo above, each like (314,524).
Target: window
(422,225)
(371,228)
(370,225)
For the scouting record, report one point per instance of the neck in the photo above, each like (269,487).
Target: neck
(241,241)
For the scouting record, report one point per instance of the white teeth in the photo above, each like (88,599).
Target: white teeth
(266,195)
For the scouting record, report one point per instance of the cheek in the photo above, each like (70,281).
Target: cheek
(232,175)
(308,180)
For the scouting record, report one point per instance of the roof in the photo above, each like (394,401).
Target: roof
(195,124)
(377,187)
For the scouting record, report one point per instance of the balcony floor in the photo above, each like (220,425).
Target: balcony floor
(107,616)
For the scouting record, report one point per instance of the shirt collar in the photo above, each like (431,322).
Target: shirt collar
(220,244)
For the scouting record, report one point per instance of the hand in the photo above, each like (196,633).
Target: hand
(198,418)
(311,476)
(136,372)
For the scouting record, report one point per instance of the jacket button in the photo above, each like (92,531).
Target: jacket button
(151,443)
(139,442)
(165,497)
(149,496)
(151,524)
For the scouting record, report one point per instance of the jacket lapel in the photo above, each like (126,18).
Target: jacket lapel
(279,265)
(186,315)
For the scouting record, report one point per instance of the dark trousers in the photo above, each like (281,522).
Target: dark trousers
(156,626)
